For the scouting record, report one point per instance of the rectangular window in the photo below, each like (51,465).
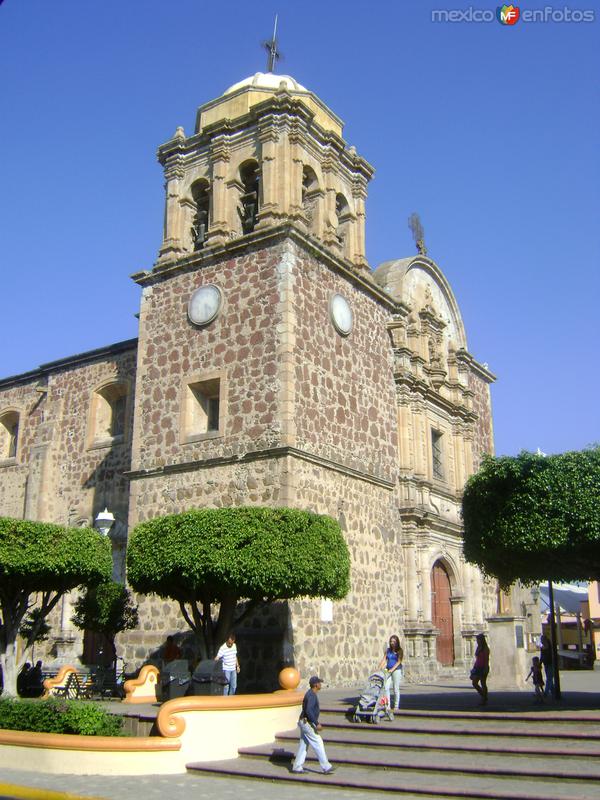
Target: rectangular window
(437,455)
(202,408)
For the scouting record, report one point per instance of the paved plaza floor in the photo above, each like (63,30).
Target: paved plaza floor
(581,690)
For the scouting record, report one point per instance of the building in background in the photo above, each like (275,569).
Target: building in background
(273,366)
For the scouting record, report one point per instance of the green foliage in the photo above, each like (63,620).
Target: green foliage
(209,556)
(58,716)
(40,556)
(39,562)
(106,608)
(249,552)
(534,517)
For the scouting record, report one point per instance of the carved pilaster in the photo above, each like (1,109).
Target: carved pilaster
(272,152)
(171,246)
(220,224)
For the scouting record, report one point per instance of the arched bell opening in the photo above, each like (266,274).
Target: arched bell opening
(311,195)
(250,197)
(200,191)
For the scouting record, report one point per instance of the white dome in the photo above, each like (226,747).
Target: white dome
(267,80)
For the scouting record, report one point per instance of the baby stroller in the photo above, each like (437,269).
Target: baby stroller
(374,701)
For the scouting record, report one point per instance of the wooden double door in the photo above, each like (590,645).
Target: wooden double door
(441,613)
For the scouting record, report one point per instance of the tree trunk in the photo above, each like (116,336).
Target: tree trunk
(8,662)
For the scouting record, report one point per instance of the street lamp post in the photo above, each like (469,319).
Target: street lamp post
(555,670)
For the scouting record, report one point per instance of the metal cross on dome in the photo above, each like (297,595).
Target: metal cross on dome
(271,48)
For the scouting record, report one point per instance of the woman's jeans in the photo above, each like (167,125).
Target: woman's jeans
(549,690)
(393,680)
(231,685)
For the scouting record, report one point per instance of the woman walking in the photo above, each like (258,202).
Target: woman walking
(392,662)
(481,668)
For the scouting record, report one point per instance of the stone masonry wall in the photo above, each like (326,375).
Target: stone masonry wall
(75,478)
(290,380)
(483,439)
(345,394)
(240,342)
(346,649)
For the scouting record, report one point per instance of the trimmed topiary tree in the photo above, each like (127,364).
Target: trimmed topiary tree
(108,609)
(208,557)
(534,517)
(39,563)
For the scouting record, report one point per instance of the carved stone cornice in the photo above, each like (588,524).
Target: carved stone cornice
(464,358)
(262,238)
(420,521)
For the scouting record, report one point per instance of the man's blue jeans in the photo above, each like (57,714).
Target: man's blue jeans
(549,689)
(309,736)
(231,686)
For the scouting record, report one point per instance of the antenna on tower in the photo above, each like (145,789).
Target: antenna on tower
(414,223)
(271,48)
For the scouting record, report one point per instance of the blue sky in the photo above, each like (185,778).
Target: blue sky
(489,132)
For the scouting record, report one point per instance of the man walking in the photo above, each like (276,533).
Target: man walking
(309,730)
(231,666)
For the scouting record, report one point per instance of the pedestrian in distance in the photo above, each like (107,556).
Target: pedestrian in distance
(392,663)
(535,673)
(231,666)
(481,668)
(310,730)
(171,650)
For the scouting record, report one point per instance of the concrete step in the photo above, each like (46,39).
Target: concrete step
(480,755)
(523,744)
(428,783)
(467,726)
(468,762)
(541,715)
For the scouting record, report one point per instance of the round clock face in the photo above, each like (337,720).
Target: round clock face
(341,314)
(204,304)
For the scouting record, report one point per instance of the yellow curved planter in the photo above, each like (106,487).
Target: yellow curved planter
(190,729)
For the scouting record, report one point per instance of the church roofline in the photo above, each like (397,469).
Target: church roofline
(69,361)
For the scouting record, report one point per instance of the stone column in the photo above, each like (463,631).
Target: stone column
(410,562)
(219,226)
(172,232)
(425,584)
(359,192)
(330,215)
(294,209)
(271,153)
(468,605)
(477,597)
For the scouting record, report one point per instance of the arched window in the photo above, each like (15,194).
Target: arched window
(310,196)
(9,434)
(201,198)
(109,405)
(249,200)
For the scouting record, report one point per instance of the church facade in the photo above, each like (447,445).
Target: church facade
(274,367)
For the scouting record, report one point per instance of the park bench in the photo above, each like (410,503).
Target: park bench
(75,688)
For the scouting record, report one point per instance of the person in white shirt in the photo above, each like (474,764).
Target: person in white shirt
(231,666)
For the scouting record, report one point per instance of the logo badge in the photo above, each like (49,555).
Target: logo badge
(508,15)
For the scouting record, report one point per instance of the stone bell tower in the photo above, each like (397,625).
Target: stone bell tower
(266,151)
(264,373)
